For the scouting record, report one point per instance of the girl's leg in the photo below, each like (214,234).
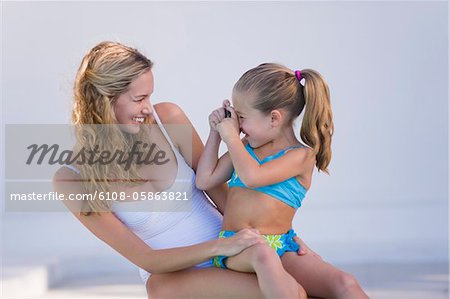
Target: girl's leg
(321,279)
(273,279)
(206,283)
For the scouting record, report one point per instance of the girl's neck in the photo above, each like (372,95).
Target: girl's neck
(284,140)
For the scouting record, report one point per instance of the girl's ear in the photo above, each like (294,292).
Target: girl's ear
(276,116)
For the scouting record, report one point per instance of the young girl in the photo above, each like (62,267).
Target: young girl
(269,170)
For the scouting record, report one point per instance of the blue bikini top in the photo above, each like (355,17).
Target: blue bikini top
(290,191)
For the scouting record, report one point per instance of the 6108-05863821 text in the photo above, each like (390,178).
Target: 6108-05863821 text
(107,196)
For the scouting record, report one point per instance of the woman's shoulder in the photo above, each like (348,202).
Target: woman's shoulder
(68,181)
(176,123)
(171,113)
(65,173)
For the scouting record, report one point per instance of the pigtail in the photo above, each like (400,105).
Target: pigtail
(317,126)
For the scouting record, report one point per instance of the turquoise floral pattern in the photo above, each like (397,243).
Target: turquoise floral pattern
(274,241)
(280,243)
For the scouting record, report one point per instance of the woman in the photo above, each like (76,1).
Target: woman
(113,86)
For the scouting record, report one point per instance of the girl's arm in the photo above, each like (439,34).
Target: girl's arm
(113,232)
(211,170)
(295,162)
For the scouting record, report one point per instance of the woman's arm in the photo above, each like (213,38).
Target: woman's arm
(113,232)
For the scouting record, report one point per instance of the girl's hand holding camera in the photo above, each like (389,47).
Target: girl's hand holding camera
(228,127)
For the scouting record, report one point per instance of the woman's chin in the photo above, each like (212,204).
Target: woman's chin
(130,128)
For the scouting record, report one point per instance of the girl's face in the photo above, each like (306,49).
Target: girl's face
(132,108)
(253,123)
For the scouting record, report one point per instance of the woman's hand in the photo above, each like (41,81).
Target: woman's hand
(241,240)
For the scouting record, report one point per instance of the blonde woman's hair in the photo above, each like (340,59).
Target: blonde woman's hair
(274,86)
(105,73)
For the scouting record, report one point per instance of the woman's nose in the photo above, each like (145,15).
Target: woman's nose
(147,109)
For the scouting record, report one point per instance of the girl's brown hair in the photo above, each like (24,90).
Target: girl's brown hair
(274,86)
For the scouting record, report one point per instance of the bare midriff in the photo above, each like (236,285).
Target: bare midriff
(248,208)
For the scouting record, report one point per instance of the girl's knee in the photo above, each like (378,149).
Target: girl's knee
(262,254)
(346,282)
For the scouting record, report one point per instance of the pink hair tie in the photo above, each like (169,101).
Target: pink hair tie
(300,78)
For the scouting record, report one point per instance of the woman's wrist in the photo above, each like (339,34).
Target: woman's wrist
(215,247)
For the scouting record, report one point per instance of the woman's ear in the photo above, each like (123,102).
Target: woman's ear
(277,118)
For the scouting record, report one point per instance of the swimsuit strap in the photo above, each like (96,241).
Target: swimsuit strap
(271,157)
(73,168)
(160,125)
(292,147)
(163,130)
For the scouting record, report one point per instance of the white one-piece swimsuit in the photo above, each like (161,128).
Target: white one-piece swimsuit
(161,230)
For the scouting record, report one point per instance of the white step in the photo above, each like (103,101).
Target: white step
(380,281)
(100,286)
(22,282)
(21,279)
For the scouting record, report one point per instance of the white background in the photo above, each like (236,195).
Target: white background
(386,64)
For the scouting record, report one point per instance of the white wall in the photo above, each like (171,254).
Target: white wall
(386,64)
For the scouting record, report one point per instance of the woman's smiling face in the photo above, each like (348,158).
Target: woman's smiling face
(133,108)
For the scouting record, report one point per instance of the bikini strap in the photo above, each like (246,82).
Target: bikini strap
(292,147)
(252,153)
